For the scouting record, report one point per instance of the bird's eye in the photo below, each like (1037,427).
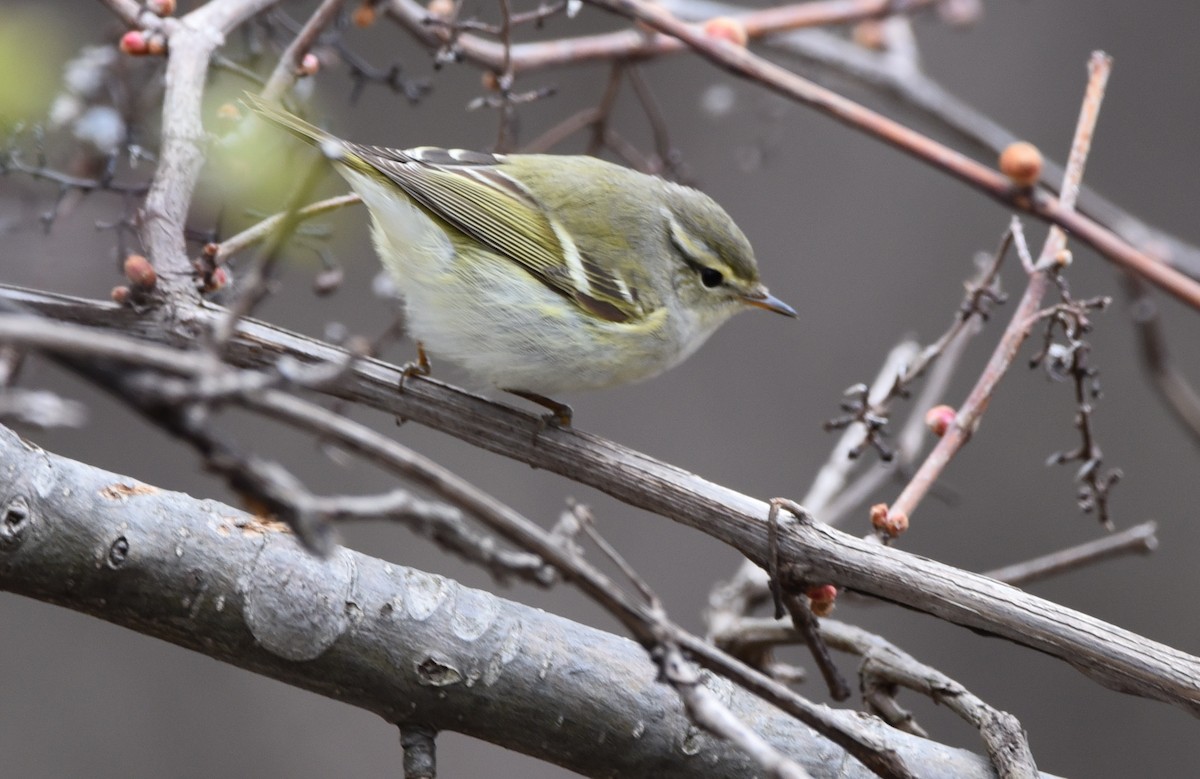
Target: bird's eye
(710,277)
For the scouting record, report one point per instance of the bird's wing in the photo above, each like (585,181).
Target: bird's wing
(471,191)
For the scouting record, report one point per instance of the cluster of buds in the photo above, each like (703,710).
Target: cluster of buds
(821,599)
(889,523)
(143,43)
(142,280)
(148,43)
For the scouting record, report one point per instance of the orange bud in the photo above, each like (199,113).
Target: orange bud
(895,523)
(1022,163)
(890,523)
(364,15)
(120,295)
(161,7)
(140,272)
(727,28)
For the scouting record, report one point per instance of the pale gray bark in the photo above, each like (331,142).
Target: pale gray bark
(415,648)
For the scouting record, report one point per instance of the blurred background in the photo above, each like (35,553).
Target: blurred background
(867,244)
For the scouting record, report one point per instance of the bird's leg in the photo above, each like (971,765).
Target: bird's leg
(560,413)
(420,367)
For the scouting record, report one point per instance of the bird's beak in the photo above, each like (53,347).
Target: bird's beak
(760,298)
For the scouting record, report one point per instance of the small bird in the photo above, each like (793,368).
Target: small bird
(540,274)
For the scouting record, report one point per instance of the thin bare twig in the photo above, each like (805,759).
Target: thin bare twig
(1177,393)
(807,626)
(872,411)
(740,61)
(288,68)
(885,665)
(707,711)
(255,284)
(1024,317)
(916,92)
(701,704)
(625,45)
(831,479)
(1139,539)
(191,42)
(221,252)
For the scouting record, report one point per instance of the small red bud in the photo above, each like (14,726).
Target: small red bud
(939,418)
(220,280)
(822,599)
(878,515)
(134,43)
(161,7)
(822,592)
(120,295)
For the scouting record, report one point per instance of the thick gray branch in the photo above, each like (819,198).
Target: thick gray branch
(414,648)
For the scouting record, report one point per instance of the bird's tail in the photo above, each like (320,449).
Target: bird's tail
(288,121)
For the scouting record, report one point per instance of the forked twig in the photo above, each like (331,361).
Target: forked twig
(1024,317)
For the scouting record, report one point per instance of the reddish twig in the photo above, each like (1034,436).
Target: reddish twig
(627,45)
(1024,317)
(288,68)
(1057,211)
